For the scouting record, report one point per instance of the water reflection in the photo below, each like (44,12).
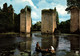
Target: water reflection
(24,45)
(17,52)
(33,45)
(63,46)
(74,43)
(48,41)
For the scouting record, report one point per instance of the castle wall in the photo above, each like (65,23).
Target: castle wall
(48,21)
(74,22)
(22,22)
(25,20)
(54,22)
(28,22)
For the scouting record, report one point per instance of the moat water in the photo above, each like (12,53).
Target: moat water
(24,45)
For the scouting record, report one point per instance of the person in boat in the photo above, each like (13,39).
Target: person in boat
(38,48)
(52,49)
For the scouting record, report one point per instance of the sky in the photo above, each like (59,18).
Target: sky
(37,6)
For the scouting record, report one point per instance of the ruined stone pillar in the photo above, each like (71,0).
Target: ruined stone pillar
(48,21)
(28,20)
(22,21)
(25,20)
(74,22)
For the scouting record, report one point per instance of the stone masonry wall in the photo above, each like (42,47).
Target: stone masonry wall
(28,22)
(54,22)
(22,22)
(48,21)
(74,22)
(25,20)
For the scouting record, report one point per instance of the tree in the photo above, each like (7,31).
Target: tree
(73,3)
(36,26)
(0,9)
(3,22)
(64,26)
(16,22)
(6,18)
(57,19)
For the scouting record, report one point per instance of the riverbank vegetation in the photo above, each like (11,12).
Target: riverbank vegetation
(7,33)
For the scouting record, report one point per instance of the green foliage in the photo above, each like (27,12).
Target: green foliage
(73,3)
(0,9)
(57,19)
(3,23)
(64,27)
(16,22)
(36,26)
(7,20)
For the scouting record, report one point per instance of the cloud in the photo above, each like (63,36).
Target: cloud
(30,1)
(62,19)
(43,4)
(1,5)
(34,15)
(61,9)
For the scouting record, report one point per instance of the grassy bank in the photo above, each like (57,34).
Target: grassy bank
(9,33)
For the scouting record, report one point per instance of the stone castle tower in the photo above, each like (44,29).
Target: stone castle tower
(25,20)
(48,21)
(75,19)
